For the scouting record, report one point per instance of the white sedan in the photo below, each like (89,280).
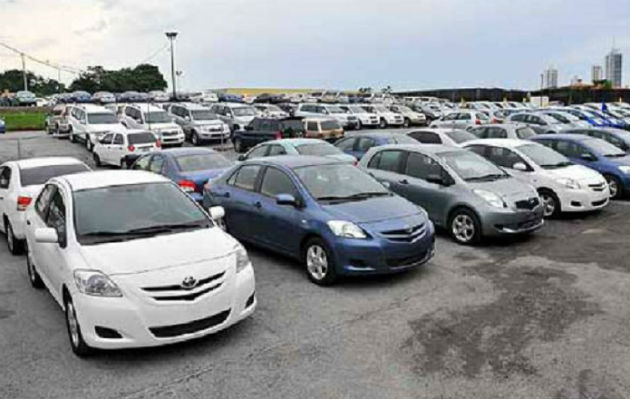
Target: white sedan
(134,261)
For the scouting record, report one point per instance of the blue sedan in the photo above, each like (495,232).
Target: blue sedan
(359,143)
(616,137)
(330,215)
(190,168)
(595,153)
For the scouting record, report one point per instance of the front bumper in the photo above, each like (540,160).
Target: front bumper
(172,140)
(137,319)
(510,222)
(583,200)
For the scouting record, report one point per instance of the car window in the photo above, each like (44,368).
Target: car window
(365,144)
(259,151)
(246,177)
(426,137)
(142,163)
(107,138)
(56,217)
(276,150)
(389,160)
(569,149)
(39,175)
(525,132)
(311,126)
(5,177)
(346,144)
(503,157)
(276,182)
(265,125)
(421,166)
(496,133)
(156,164)
(118,140)
(43,200)
(479,149)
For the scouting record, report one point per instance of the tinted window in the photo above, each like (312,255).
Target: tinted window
(365,144)
(102,118)
(56,217)
(421,166)
(140,138)
(118,139)
(276,182)
(503,157)
(330,125)
(525,132)
(426,137)
(39,175)
(569,149)
(142,163)
(276,150)
(390,160)
(459,136)
(5,177)
(312,126)
(246,177)
(346,144)
(256,152)
(200,162)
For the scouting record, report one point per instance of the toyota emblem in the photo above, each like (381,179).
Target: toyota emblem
(189,282)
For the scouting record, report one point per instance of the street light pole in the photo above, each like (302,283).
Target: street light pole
(171,36)
(24,72)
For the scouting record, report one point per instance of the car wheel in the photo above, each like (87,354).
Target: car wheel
(238,145)
(194,139)
(14,244)
(382,124)
(359,125)
(465,227)
(320,266)
(123,163)
(550,203)
(73,139)
(406,123)
(88,144)
(97,160)
(614,185)
(33,276)
(79,347)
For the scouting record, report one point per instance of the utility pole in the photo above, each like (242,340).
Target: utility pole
(24,72)
(171,36)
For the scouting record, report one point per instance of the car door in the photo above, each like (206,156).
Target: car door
(103,148)
(280,225)
(385,166)
(239,199)
(38,220)
(53,253)
(118,149)
(347,145)
(5,181)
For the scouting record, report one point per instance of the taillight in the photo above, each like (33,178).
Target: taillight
(23,202)
(187,186)
(158,143)
(477,122)
(355,163)
(131,148)
(279,135)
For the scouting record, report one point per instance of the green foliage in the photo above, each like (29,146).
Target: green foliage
(142,78)
(24,119)
(13,81)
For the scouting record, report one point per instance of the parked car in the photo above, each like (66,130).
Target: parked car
(229,98)
(386,117)
(103,98)
(345,119)
(298,147)
(289,108)
(410,117)
(364,118)
(81,96)
(461,119)
(88,122)
(448,137)
(541,123)
(503,131)
(323,128)
(270,111)
(24,98)
(3,127)
(20,182)
(155,119)
(565,118)
(236,115)
(562,185)
(190,168)
(263,129)
(617,137)
(269,98)
(334,217)
(460,190)
(588,118)
(359,143)
(56,122)
(159,96)
(123,148)
(205,97)
(147,275)
(608,160)
(198,123)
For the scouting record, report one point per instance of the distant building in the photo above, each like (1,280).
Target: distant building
(613,68)
(596,73)
(551,78)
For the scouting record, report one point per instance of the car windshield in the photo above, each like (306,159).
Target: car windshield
(330,125)
(102,118)
(203,115)
(129,212)
(604,148)
(525,132)
(335,110)
(472,167)
(40,175)
(156,117)
(460,136)
(317,149)
(544,156)
(356,109)
(557,118)
(339,182)
(404,109)
(381,109)
(402,139)
(201,162)
(141,138)
(244,112)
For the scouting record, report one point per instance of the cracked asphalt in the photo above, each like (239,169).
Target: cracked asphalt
(543,316)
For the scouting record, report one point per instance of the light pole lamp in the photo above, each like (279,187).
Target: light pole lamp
(171,36)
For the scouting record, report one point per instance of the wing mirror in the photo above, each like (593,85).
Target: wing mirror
(520,166)
(46,235)
(242,157)
(587,157)
(216,213)
(284,199)
(439,179)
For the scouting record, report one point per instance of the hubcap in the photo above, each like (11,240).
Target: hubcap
(317,262)
(194,138)
(612,186)
(549,204)
(73,325)
(463,228)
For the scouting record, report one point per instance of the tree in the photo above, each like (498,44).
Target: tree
(13,81)
(142,78)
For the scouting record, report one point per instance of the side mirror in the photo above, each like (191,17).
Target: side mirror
(284,199)
(520,166)
(435,178)
(587,157)
(242,157)
(46,235)
(187,118)
(216,213)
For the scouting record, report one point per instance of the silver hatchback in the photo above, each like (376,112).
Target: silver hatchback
(460,190)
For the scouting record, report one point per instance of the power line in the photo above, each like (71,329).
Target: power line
(153,55)
(56,66)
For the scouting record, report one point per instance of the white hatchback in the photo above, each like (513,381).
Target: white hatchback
(122,149)
(133,261)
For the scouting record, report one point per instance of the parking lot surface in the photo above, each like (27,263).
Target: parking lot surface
(543,316)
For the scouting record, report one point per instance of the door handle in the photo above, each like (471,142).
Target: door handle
(403,182)
(258,204)
(28,222)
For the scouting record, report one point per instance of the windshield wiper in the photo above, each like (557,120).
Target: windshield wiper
(165,228)
(559,165)
(489,177)
(352,197)
(615,155)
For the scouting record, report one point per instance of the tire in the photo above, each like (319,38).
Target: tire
(238,146)
(406,123)
(123,163)
(88,144)
(382,123)
(551,203)
(464,227)
(614,185)
(72,138)
(78,345)
(97,160)
(15,245)
(33,276)
(320,266)
(194,139)
(359,125)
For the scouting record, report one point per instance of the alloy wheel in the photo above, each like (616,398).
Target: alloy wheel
(463,228)
(549,204)
(612,186)
(317,262)
(73,324)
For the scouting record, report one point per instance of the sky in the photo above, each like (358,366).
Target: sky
(342,44)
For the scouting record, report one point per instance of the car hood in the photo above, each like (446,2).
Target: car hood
(210,122)
(510,188)
(343,157)
(245,119)
(576,172)
(372,210)
(158,252)
(620,161)
(165,125)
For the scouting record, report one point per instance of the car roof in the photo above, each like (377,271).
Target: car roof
(146,107)
(46,161)
(384,134)
(427,148)
(290,161)
(92,108)
(191,106)
(511,143)
(100,179)
(179,151)
(297,141)
(434,130)
(576,137)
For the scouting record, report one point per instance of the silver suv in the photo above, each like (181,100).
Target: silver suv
(199,123)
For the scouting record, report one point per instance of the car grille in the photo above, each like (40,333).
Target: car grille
(598,187)
(177,292)
(406,261)
(169,133)
(408,235)
(190,327)
(528,204)
(599,203)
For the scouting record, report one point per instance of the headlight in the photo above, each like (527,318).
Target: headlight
(492,198)
(625,169)
(346,229)
(568,183)
(95,283)
(242,259)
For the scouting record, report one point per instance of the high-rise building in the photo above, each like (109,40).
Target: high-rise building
(613,68)
(596,73)
(551,78)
